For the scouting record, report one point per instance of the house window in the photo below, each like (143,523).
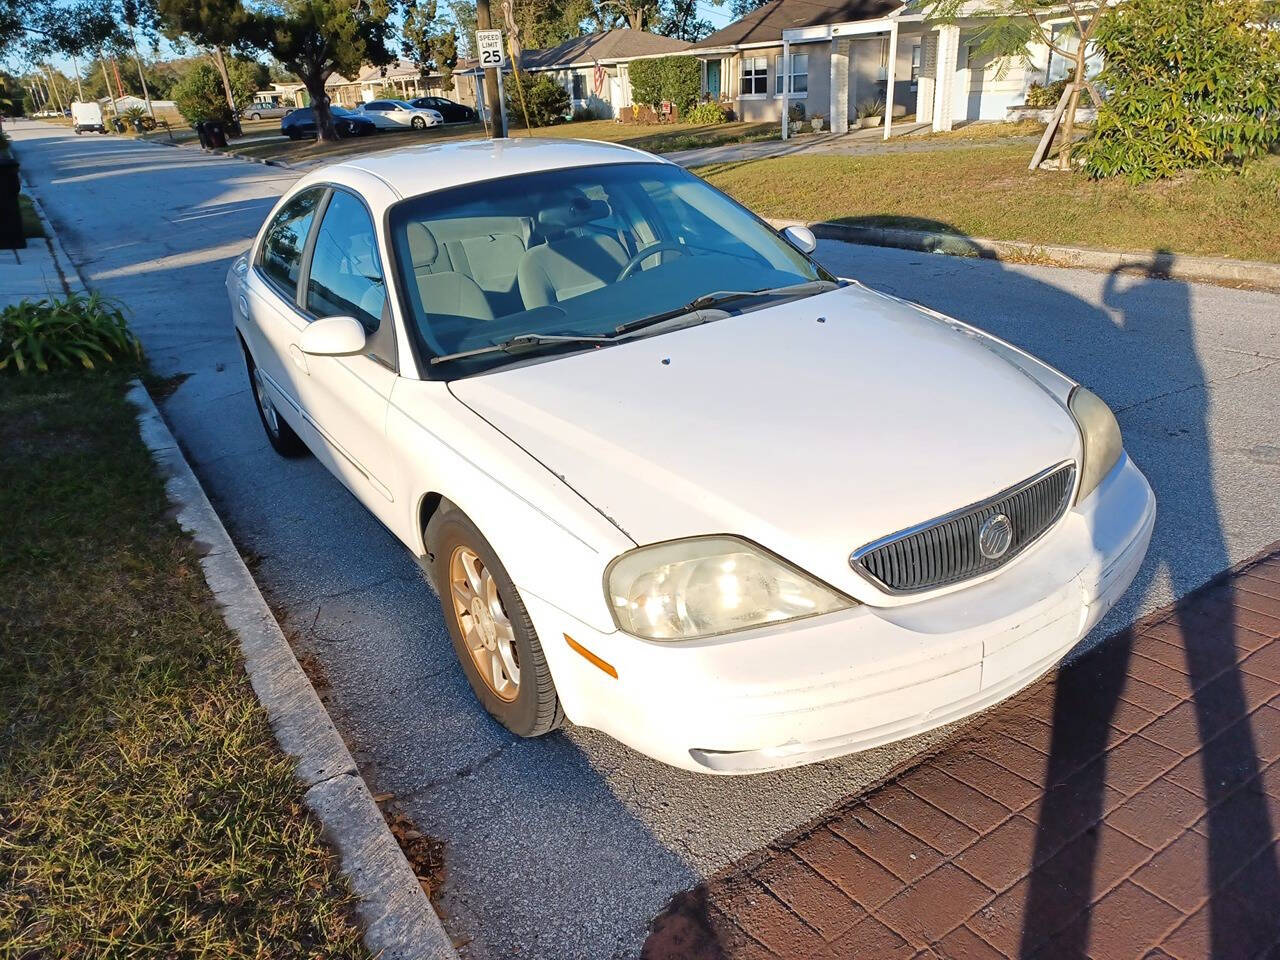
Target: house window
(755,76)
(799,74)
(915,63)
(579,86)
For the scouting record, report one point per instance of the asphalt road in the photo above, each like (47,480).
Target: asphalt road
(566,846)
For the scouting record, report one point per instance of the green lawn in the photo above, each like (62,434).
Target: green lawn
(657,139)
(145,809)
(31,225)
(987,191)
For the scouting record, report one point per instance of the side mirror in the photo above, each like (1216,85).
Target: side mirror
(801,238)
(333,337)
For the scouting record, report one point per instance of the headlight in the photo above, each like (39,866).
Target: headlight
(1101,433)
(710,585)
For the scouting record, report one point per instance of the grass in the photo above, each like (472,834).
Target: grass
(656,139)
(986,132)
(145,810)
(31,225)
(987,191)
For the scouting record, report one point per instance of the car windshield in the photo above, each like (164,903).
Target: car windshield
(402,103)
(572,253)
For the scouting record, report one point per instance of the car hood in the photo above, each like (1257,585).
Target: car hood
(812,427)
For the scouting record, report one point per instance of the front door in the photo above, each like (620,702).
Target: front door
(347,397)
(713,79)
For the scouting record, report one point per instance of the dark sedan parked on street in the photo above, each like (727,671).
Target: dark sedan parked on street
(302,123)
(452,112)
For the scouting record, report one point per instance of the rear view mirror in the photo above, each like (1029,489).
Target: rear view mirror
(333,337)
(801,238)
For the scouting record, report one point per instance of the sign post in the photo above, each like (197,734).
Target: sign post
(494,57)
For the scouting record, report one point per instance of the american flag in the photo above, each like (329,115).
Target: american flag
(597,80)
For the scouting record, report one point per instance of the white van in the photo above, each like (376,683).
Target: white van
(87,116)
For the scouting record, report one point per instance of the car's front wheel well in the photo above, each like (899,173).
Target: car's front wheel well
(428,507)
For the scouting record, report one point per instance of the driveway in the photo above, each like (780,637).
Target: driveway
(566,846)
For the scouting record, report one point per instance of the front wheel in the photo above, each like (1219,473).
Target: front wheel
(419,123)
(280,435)
(492,634)
(255,116)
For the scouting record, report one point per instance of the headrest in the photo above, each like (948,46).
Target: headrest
(422,245)
(578,211)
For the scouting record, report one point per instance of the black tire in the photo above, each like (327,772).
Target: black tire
(280,435)
(255,116)
(293,135)
(535,710)
(418,123)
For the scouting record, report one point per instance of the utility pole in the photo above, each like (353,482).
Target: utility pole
(57,97)
(491,95)
(137,58)
(115,67)
(75,65)
(115,106)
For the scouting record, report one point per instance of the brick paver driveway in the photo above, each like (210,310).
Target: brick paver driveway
(1129,808)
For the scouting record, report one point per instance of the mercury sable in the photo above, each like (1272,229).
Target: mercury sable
(669,477)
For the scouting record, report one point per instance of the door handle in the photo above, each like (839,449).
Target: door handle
(298,357)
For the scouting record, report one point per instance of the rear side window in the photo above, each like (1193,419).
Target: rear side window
(346,277)
(286,237)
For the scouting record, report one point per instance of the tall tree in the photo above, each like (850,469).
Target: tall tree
(139,15)
(636,14)
(318,38)
(217,26)
(679,19)
(1010,27)
(463,14)
(429,42)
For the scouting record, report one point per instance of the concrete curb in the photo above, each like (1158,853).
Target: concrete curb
(1175,266)
(399,921)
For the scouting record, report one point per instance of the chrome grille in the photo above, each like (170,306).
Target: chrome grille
(945,550)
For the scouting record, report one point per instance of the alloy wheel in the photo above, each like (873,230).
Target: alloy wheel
(483,622)
(269,415)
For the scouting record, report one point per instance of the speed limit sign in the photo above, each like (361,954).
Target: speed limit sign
(489,43)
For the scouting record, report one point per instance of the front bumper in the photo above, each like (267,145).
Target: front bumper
(813,689)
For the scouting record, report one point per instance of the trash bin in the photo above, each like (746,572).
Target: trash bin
(117,124)
(216,133)
(10,214)
(198,127)
(136,123)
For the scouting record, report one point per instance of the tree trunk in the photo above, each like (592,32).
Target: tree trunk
(1069,122)
(484,21)
(75,65)
(115,106)
(325,130)
(220,61)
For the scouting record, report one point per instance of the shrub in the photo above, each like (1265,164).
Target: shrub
(1045,96)
(707,113)
(50,335)
(674,79)
(199,95)
(581,114)
(871,108)
(545,98)
(1194,83)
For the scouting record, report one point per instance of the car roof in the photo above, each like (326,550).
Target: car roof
(412,171)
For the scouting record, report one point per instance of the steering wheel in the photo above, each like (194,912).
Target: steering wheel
(643,255)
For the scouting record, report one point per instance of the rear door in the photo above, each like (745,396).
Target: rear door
(346,398)
(271,301)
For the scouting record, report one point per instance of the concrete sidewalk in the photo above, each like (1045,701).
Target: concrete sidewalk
(29,274)
(1129,808)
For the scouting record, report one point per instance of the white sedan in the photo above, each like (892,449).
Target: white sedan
(669,477)
(399,115)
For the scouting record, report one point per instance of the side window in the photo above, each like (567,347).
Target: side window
(281,257)
(346,277)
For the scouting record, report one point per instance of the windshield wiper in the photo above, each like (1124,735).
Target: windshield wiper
(719,297)
(521,341)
